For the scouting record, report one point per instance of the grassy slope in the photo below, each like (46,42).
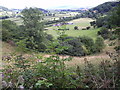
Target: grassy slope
(7,48)
(95,59)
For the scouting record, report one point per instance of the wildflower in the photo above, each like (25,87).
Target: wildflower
(21,87)
(8,76)
(3,75)
(4,84)
(39,60)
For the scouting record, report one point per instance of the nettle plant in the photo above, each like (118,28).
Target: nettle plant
(53,68)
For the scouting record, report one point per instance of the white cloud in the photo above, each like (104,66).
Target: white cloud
(49,3)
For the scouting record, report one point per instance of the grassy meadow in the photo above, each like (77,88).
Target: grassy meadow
(81,23)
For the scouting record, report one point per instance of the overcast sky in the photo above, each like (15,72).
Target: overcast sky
(47,4)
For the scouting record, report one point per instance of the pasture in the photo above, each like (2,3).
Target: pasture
(80,23)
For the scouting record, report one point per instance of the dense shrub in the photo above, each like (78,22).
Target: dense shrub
(81,46)
(49,37)
(76,28)
(116,32)
(92,23)
(4,17)
(99,44)
(113,37)
(88,43)
(75,47)
(5,35)
(9,30)
(87,28)
(104,33)
(103,22)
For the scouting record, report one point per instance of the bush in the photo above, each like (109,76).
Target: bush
(88,43)
(76,28)
(99,44)
(74,46)
(117,32)
(80,46)
(5,35)
(9,30)
(87,28)
(113,37)
(104,33)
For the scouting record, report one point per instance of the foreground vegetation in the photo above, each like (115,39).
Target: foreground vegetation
(52,72)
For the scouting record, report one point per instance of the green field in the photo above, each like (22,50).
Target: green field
(76,33)
(81,23)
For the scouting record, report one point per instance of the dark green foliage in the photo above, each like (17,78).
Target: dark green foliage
(4,17)
(115,17)
(5,35)
(88,43)
(108,22)
(54,71)
(21,46)
(33,29)
(92,23)
(75,49)
(9,30)
(113,37)
(75,28)
(105,7)
(87,28)
(99,10)
(80,46)
(74,46)
(111,20)
(104,33)
(99,44)
(103,22)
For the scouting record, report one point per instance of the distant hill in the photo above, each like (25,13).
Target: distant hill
(7,13)
(3,9)
(105,7)
(73,10)
(43,10)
